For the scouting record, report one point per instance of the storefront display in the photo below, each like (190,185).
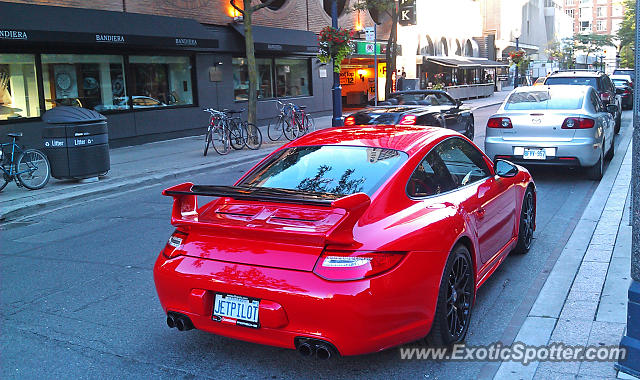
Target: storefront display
(18,87)
(159,81)
(241,78)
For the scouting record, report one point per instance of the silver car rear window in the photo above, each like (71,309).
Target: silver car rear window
(545,100)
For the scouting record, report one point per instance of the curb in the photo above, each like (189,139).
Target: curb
(123,184)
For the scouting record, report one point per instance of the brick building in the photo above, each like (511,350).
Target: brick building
(150,66)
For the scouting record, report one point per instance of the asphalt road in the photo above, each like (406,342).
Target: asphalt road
(78,300)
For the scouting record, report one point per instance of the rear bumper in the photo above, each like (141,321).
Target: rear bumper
(357,317)
(577,152)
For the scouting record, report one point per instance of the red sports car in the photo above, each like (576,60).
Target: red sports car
(346,241)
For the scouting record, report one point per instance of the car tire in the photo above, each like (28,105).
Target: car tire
(527,223)
(595,172)
(469,130)
(618,122)
(455,299)
(611,152)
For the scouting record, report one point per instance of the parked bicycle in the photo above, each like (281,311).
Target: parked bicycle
(292,121)
(31,169)
(225,132)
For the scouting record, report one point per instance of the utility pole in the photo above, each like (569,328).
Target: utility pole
(631,341)
(336,90)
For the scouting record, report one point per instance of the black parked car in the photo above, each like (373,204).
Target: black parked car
(418,107)
(596,79)
(625,90)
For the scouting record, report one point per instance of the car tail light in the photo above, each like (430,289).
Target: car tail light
(578,123)
(627,91)
(408,120)
(499,122)
(605,97)
(349,121)
(355,265)
(173,248)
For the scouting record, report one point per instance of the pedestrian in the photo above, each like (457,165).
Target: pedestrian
(400,82)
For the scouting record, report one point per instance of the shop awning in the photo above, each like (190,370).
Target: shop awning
(267,39)
(27,23)
(464,62)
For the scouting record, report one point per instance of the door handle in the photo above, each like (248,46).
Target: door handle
(480,212)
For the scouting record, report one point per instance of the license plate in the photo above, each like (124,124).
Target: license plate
(236,310)
(534,154)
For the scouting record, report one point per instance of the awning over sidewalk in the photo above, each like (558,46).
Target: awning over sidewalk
(27,23)
(463,62)
(267,39)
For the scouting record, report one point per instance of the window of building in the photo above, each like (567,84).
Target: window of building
(569,2)
(570,12)
(160,81)
(601,12)
(585,26)
(326,4)
(616,10)
(601,25)
(277,4)
(241,78)
(18,87)
(292,77)
(90,81)
(586,2)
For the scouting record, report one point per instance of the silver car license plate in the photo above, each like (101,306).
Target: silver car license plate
(534,154)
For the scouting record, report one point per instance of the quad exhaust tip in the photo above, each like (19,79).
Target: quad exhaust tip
(179,321)
(317,348)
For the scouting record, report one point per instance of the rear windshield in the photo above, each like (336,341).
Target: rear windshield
(620,82)
(586,81)
(373,118)
(545,100)
(329,169)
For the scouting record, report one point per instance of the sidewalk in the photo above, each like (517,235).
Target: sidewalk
(147,164)
(583,301)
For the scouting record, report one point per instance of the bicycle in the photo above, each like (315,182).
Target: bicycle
(31,170)
(226,132)
(292,121)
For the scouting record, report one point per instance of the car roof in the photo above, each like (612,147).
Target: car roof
(407,138)
(555,87)
(411,92)
(577,73)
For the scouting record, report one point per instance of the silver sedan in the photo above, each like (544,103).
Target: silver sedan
(553,125)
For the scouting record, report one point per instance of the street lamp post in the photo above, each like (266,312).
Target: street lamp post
(515,76)
(336,90)
(631,341)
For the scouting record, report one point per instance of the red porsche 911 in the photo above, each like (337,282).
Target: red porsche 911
(346,241)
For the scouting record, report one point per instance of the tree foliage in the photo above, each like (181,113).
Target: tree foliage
(390,8)
(592,43)
(627,32)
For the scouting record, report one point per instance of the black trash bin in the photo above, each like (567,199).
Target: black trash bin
(76,141)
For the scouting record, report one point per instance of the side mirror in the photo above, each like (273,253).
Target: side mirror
(505,168)
(619,90)
(612,109)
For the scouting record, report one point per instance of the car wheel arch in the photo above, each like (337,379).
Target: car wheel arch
(467,242)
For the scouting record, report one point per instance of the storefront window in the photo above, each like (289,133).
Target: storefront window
(18,87)
(241,78)
(90,81)
(292,77)
(159,81)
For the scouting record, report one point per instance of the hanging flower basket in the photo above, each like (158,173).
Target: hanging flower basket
(517,56)
(335,44)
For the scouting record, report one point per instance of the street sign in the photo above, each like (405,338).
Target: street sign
(370,48)
(502,78)
(407,11)
(369,34)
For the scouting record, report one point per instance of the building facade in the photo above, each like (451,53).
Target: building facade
(150,66)
(599,17)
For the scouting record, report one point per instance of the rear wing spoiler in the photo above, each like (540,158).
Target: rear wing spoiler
(185,204)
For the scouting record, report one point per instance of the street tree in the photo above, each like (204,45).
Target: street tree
(247,10)
(389,8)
(591,43)
(627,32)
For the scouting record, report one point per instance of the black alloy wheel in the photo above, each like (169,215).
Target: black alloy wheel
(527,223)
(455,299)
